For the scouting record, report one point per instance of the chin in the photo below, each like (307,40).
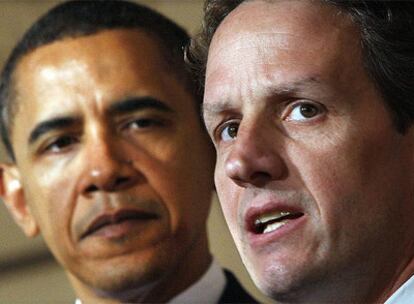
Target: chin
(275,287)
(128,275)
(119,280)
(277,280)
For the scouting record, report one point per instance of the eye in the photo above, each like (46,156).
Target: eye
(229,131)
(143,123)
(60,143)
(303,111)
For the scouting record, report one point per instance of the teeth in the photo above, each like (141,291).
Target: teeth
(274,226)
(270,217)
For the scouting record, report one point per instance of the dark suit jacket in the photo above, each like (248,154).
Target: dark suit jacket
(234,292)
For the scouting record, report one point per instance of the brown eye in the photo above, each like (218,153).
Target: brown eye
(61,143)
(308,110)
(304,111)
(142,123)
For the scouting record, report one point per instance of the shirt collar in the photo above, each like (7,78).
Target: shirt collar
(404,294)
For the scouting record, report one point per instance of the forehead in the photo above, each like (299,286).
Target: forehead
(268,38)
(109,63)
(125,44)
(294,17)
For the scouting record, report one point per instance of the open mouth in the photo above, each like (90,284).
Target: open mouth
(271,221)
(119,217)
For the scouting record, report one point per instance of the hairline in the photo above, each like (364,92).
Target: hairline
(402,113)
(12,106)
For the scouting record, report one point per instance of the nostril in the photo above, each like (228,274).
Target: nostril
(260,179)
(121,181)
(110,184)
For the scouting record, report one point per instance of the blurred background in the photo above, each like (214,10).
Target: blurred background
(28,273)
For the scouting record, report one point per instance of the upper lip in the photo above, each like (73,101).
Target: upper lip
(117,216)
(253,213)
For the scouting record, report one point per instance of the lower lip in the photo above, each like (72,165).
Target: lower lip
(121,229)
(261,240)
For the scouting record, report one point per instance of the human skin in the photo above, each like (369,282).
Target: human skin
(300,127)
(122,145)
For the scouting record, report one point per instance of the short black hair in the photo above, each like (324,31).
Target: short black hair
(73,19)
(386,37)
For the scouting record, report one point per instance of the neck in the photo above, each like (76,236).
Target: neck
(374,285)
(189,270)
(405,272)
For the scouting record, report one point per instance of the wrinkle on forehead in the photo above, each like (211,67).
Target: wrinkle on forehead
(252,40)
(260,31)
(318,13)
(258,19)
(263,48)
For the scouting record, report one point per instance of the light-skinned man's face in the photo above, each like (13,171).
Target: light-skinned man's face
(315,182)
(113,162)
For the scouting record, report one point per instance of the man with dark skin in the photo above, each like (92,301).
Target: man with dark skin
(310,105)
(109,161)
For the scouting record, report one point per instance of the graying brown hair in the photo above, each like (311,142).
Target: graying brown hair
(387,40)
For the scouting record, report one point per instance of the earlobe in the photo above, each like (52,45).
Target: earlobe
(12,194)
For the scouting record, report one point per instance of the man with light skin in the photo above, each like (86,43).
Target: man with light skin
(109,160)
(310,105)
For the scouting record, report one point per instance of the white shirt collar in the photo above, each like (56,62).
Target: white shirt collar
(404,294)
(207,289)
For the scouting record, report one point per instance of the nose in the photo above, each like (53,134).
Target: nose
(254,159)
(107,168)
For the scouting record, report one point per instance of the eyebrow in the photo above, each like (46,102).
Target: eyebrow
(218,107)
(296,86)
(132,104)
(124,106)
(50,125)
(284,89)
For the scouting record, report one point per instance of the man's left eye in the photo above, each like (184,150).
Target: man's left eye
(303,111)
(143,123)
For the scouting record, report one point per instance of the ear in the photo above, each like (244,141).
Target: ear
(12,193)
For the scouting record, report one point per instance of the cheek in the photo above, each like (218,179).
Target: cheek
(228,194)
(56,178)
(332,176)
(350,178)
(182,178)
(51,194)
(53,217)
(49,188)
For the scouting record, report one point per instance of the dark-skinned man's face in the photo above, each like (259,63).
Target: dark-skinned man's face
(112,164)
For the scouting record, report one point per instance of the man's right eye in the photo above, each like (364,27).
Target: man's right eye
(60,143)
(229,131)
